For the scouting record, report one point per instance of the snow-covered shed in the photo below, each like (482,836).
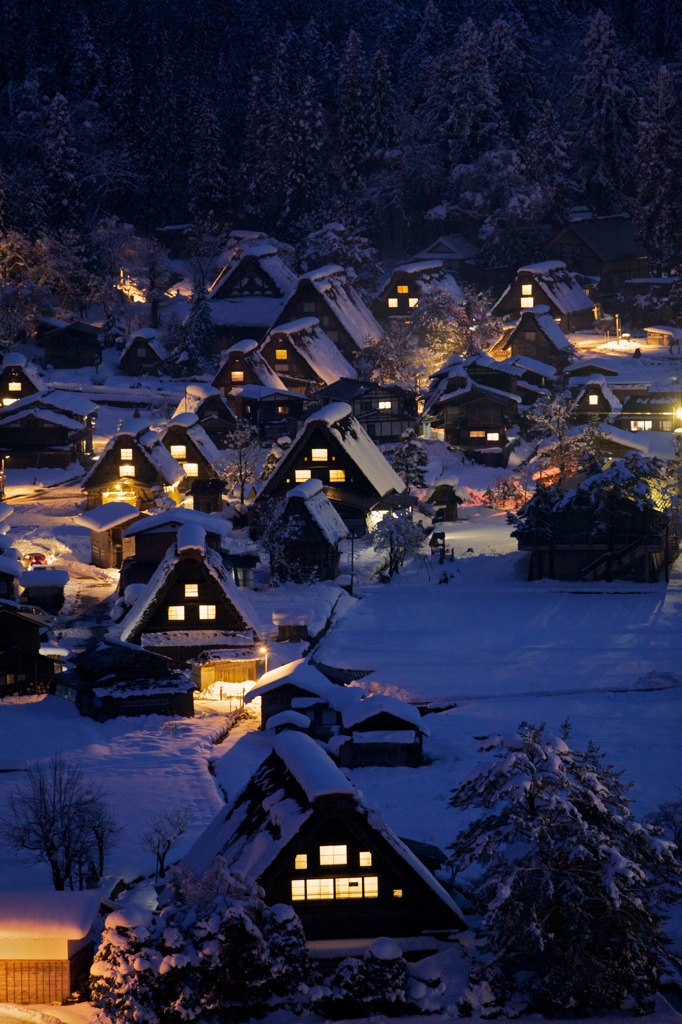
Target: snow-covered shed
(68,343)
(334,448)
(23,669)
(212,412)
(550,284)
(144,353)
(44,587)
(303,355)
(191,604)
(49,428)
(328,295)
(301,830)
(46,944)
(300,686)
(107,524)
(379,730)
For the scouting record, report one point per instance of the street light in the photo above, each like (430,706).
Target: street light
(264,651)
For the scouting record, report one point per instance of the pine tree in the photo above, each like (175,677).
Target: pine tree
(208,177)
(410,461)
(571,887)
(546,157)
(514,73)
(353,131)
(123,976)
(603,118)
(199,334)
(65,210)
(475,120)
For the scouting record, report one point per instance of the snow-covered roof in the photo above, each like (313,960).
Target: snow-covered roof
(332,283)
(105,517)
(597,381)
(47,914)
(151,337)
(260,392)
(14,359)
(358,445)
(305,676)
(378,704)
(316,347)
(311,492)
(533,365)
(430,276)
(451,247)
(18,361)
(253,358)
(191,536)
(293,718)
(148,444)
(39,576)
(67,403)
(176,517)
(553,278)
(11,566)
(133,622)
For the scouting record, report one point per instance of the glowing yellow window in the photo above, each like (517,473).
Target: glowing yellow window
(9,401)
(527,303)
(319,454)
(301,861)
(126,454)
(176,613)
(348,888)
(178,451)
(526,289)
(207,611)
(385,403)
(191,589)
(413,302)
(392,303)
(370,887)
(14,385)
(398,893)
(593,399)
(337,476)
(237,376)
(492,435)
(319,888)
(298,889)
(191,468)
(477,433)
(333,855)
(365,859)
(301,475)
(402,289)
(125,469)
(281,355)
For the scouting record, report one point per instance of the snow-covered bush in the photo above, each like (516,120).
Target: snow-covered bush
(377,983)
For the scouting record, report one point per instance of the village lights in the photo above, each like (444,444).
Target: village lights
(264,651)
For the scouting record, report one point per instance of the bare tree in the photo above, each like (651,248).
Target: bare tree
(162,835)
(59,817)
(242,458)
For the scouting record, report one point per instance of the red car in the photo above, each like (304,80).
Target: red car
(35,558)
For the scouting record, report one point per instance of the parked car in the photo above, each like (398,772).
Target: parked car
(34,558)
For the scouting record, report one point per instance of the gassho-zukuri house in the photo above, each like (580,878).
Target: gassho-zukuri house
(301,830)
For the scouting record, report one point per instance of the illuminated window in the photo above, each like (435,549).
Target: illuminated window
(319,888)
(337,476)
(126,454)
(283,410)
(9,401)
(402,289)
(298,889)
(593,399)
(392,303)
(526,289)
(398,893)
(281,355)
(301,475)
(527,303)
(492,435)
(348,888)
(413,302)
(333,855)
(365,859)
(385,404)
(301,861)
(319,454)
(126,470)
(477,433)
(178,451)
(14,385)
(641,425)
(176,613)
(191,589)
(207,611)
(237,375)
(191,468)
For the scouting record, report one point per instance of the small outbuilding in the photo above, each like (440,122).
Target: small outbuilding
(107,524)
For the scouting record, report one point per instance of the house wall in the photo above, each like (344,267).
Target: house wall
(295,373)
(43,981)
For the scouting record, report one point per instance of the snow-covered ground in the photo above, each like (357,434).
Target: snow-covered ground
(487,645)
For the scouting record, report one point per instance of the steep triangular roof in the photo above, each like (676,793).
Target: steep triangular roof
(315,347)
(332,284)
(148,444)
(556,283)
(189,545)
(251,355)
(311,495)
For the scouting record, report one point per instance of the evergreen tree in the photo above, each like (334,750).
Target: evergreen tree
(65,209)
(208,177)
(353,130)
(514,73)
(603,117)
(199,335)
(546,157)
(659,159)
(475,122)
(410,461)
(123,976)
(571,887)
